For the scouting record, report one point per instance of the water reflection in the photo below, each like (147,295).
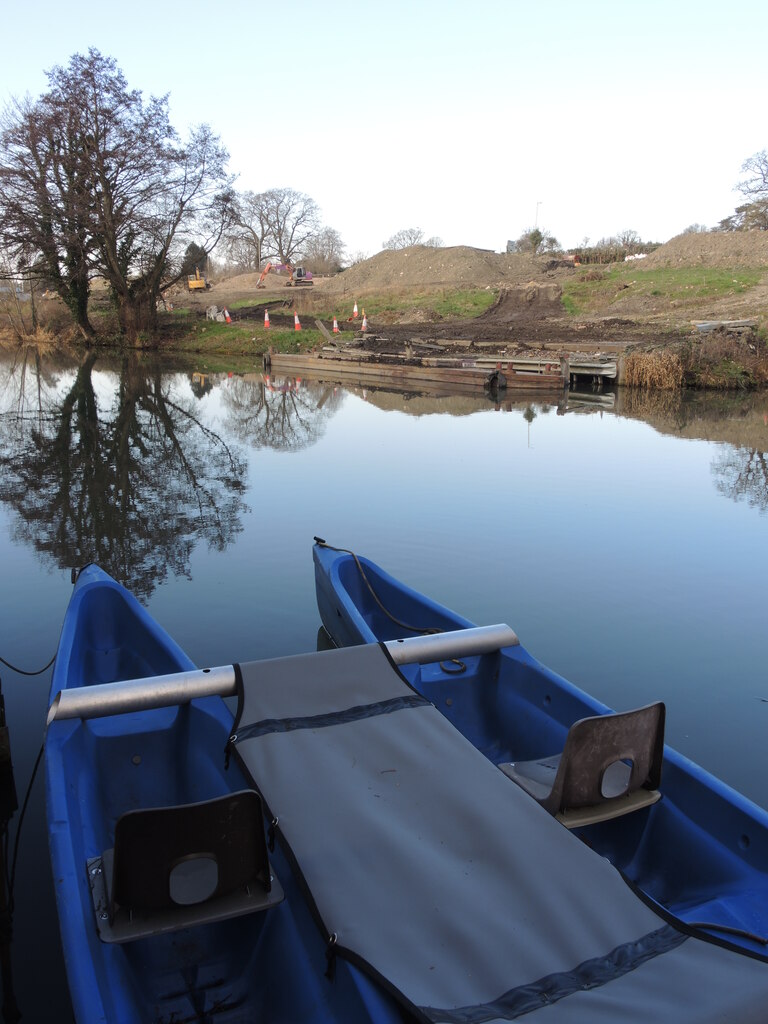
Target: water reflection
(284,414)
(117,469)
(742,474)
(121,464)
(738,422)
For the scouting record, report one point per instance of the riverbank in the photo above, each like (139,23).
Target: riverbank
(644,313)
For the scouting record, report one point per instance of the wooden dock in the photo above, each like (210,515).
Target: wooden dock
(463,375)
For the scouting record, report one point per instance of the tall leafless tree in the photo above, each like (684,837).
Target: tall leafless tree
(101,179)
(324,252)
(44,201)
(274,225)
(755,176)
(404,238)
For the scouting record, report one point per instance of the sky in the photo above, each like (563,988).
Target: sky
(472,122)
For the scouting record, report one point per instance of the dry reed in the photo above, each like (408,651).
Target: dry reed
(663,370)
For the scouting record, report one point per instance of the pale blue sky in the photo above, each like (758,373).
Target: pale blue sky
(457,118)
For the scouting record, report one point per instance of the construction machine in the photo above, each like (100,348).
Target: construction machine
(296,275)
(197,281)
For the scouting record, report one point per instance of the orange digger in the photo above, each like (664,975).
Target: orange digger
(296,275)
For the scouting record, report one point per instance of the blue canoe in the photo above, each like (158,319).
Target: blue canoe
(700,853)
(267,965)
(343,852)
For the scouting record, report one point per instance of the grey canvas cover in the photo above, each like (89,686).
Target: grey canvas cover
(440,876)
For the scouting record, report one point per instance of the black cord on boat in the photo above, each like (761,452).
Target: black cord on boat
(12,875)
(22,672)
(398,622)
(460,666)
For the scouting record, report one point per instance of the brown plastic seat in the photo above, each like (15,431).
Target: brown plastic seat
(174,867)
(610,765)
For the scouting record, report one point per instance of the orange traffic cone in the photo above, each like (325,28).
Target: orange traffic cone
(266,319)
(354,312)
(364,325)
(335,326)
(296,324)
(227,317)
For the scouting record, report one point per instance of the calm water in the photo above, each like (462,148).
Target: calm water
(625,539)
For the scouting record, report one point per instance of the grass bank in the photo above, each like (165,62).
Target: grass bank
(600,290)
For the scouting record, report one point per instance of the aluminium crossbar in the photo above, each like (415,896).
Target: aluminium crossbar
(104,699)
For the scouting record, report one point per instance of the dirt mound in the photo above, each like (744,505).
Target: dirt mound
(248,282)
(457,266)
(712,249)
(532,299)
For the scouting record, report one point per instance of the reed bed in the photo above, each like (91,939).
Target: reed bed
(661,370)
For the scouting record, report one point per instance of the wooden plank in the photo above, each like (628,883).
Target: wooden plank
(324,331)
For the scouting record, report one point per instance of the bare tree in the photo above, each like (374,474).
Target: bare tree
(293,220)
(273,225)
(324,252)
(435,242)
(755,180)
(247,238)
(629,239)
(404,238)
(43,197)
(109,188)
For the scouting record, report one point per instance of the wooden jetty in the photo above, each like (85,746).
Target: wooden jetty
(462,374)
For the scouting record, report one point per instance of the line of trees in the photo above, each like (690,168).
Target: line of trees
(281,225)
(96,182)
(406,237)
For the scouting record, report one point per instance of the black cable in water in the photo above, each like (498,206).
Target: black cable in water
(22,672)
(12,873)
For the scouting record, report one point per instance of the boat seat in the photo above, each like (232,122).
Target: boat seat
(174,867)
(610,765)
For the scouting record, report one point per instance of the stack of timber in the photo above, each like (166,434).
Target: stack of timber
(462,373)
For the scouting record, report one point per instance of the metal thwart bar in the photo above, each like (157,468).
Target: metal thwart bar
(104,699)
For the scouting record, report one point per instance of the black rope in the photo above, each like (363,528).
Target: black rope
(22,672)
(428,630)
(12,874)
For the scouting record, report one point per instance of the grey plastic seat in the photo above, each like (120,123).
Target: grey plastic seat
(174,867)
(610,765)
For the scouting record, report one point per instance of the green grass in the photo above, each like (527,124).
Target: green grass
(446,303)
(191,333)
(187,330)
(684,285)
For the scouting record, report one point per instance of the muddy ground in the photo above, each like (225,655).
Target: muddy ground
(528,314)
(523,319)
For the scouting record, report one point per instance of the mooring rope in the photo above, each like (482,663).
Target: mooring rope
(23,672)
(424,630)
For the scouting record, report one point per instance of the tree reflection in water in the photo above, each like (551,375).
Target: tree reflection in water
(132,480)
(283,413)
(742,474)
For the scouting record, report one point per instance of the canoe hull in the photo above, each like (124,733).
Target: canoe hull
(701,853)
(266,965)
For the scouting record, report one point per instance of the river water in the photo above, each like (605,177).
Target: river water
(624,537)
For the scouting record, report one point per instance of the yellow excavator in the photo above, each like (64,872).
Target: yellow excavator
(197,281)
(296,275)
